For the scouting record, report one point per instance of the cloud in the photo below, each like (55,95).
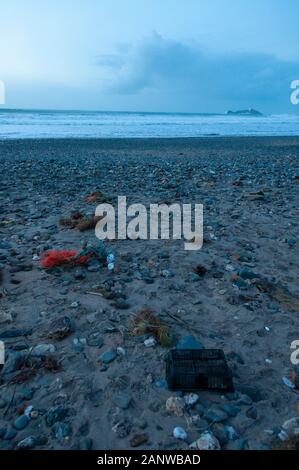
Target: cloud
(160,66)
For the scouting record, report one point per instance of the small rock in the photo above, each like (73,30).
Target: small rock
(120,351)
(150,342)
(207,441)
(231,433)
(21,422)
(291,427)
(86,443)
(15,332)
(180,433)
(138,439)
(189,342)
(27,443)
(215,415)
(79,344)
(220,432)
(175,405)
(167,273)
(191,399)
(246,273)
(231,410)
(42,349)
(254,393)
(122,400)
(288,383)
(251,413)
(239,444)
(95,340)
(61,430)
(109,356)
(55,414)
(10,434)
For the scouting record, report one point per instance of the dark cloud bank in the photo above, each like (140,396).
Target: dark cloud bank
(186,74)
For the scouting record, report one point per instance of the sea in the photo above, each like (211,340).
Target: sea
(42,124)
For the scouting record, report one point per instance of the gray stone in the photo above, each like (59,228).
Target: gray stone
(109,356)
(86,444)
(95,340)
(122,400)
(21,422)
(253,392)
(10,434)
(189,342)
(27,443)
(61,430)
(220,432)
(215,415)
(15,332)
(231,410)
(55,414)
(246,273)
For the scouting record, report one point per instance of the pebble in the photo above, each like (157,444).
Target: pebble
(288,383)
(150,342)
(180,433)
(15,332)
(138,439)
(239,444)
(120,351)
(10,434)
(231,410)
(109,356)
(79,344)
(122,400)
(27,443)
(175,405)
(220,432)
(167,273)
(215,415)
(42,349)
(95,340)
(246,273)
(254,393)
(231,433)
(86,443)
(191,399)
(61,430)
(21,422)
(291,427)
(206,441)
(55,414)
(189,342)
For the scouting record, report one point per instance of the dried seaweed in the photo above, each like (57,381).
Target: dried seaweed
(145,322)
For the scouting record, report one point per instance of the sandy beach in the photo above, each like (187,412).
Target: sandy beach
(71,351)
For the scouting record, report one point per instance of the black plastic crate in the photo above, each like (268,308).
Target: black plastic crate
(198,369)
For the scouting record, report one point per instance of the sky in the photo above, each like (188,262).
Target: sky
(150,55)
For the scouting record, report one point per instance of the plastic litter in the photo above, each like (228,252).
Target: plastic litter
(288,383)
(203,369)
(57,258)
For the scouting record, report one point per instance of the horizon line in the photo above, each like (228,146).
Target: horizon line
(120,112)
